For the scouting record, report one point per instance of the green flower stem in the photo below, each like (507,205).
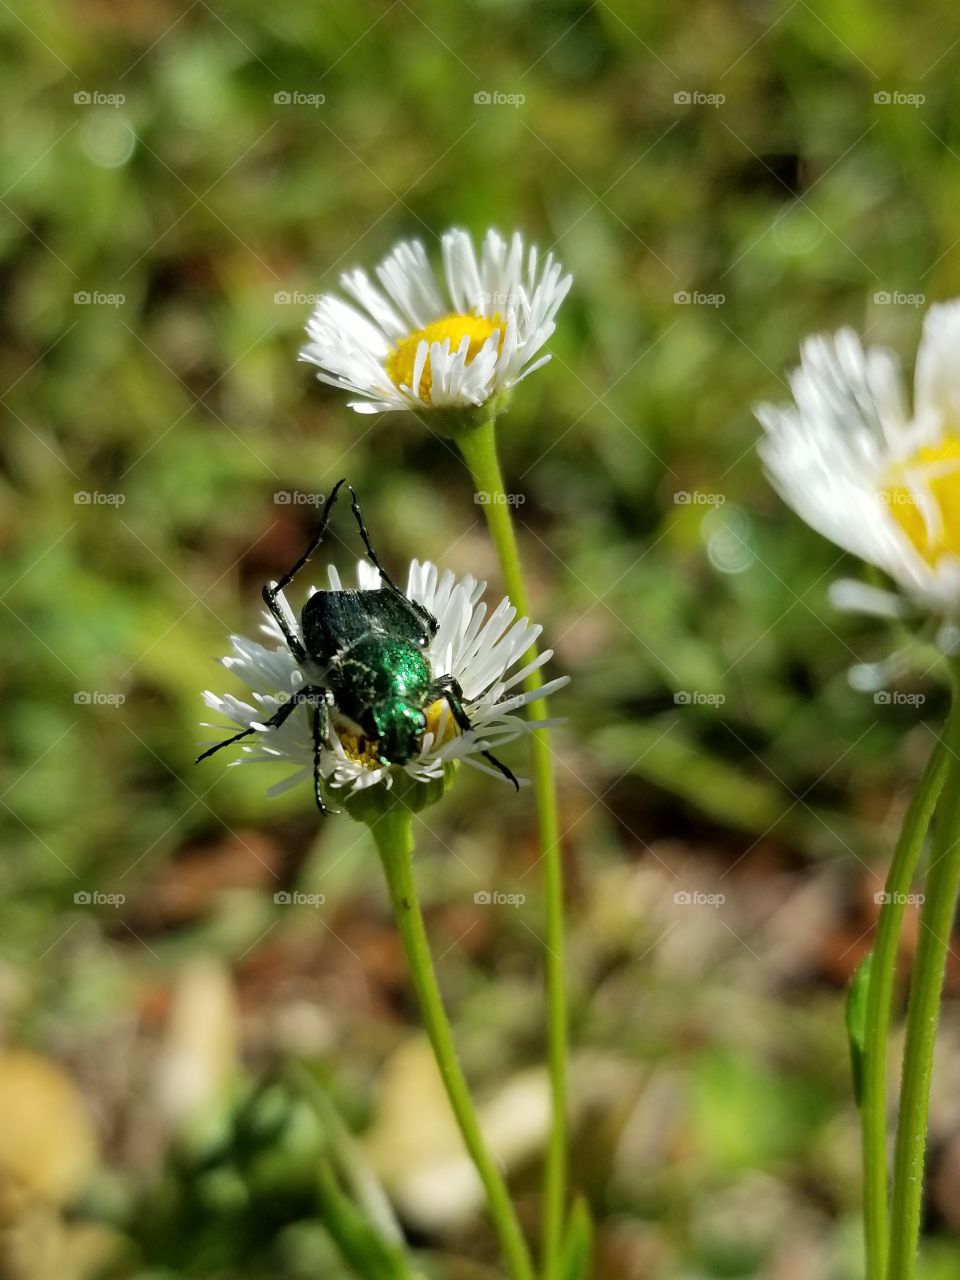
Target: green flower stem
(936,920)
(479,448)
(394,837)
(873,1113)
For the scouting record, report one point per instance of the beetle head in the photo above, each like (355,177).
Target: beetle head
(400,727)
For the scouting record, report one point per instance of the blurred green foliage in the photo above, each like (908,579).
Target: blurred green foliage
(151,163)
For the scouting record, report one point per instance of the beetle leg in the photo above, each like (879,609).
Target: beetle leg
(320,732)
(307,694)
(450,690)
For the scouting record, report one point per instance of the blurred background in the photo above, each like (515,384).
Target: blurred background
(193,1069)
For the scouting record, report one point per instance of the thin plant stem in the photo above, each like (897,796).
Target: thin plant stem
(873,1111)
(479,448)
(926,990)
(393,833)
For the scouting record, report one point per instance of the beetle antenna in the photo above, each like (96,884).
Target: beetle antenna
(423,616)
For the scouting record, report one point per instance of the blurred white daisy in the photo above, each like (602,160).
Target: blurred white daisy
(414,343)
(482,652)
(877,479)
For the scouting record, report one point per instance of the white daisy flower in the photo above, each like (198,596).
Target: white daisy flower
(482,652)
(414,343)
(877,479)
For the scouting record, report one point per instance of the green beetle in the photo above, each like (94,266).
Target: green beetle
(365,655)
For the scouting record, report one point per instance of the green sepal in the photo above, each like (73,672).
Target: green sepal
(370,804)
(455,421)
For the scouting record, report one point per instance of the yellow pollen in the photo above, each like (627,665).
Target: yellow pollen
(923,494)
(361,751)
(401,359)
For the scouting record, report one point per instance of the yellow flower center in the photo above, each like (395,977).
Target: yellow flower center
(365,751)
(360,750)
(401,359)
(441,723)
(923,494)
